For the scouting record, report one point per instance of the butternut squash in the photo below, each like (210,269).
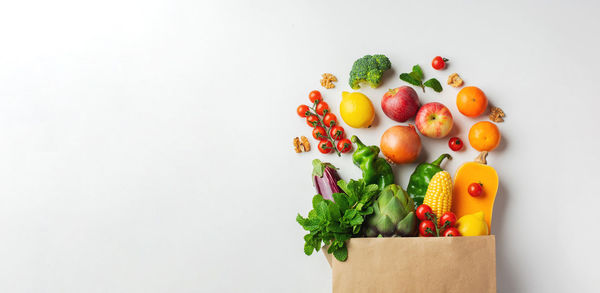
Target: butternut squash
(475,172)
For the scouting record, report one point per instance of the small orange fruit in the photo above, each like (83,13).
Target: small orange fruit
(484,136)
(471,101)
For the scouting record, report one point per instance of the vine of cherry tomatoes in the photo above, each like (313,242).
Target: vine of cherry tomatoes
(324,124)
(430,226)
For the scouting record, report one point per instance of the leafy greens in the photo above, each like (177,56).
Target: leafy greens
(333,222)
(416,78)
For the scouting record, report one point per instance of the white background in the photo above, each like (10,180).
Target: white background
(145,146)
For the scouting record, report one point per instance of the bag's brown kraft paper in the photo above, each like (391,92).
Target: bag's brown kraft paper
(417,264)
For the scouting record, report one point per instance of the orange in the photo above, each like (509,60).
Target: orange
(484,136)
(471,101)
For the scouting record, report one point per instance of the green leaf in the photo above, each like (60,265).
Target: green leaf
(341,201)
(434,84)
(319,167)
(331,248)
(353,190)
(316,200)
(322,210)
(334,212)
(410,79)
(350,214)
(357,220)
(372,188)
(359,206)
(367,211)
(353,185)
(301,220)
(310,224)
(341,253)
(308,237)
(417,72)
(308,248)
(369,192)
(313,225)
(336,227)
(343,185)
(316,244)
(342,237)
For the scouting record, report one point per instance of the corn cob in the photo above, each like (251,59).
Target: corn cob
(439,193)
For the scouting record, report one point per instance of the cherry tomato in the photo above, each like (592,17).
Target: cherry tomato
(337,132)
(319,133)
(344,145)
(325,146)
(315,96)
(422,211)
(302,109)
(439,63)
(322,108)
(427,228)
(455,144)
(312,121)
(330,119)
(448,219)
(475,189)
(451,232)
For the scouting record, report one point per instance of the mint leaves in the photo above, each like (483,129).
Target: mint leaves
(332,223)
(416,78)
(434,84)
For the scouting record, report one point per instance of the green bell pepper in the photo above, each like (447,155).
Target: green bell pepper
(375,170)
(419,180)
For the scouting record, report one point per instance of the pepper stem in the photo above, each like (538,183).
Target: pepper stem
(439,160)
(481,158)
(357,141)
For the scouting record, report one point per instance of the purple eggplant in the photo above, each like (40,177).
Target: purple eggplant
(325,178)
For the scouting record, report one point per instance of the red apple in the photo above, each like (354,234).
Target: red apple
(400,104)
(434,120)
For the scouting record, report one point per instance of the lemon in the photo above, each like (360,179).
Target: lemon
(356,110)
(472,225)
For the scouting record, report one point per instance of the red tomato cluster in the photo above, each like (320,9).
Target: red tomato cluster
(324,124)
(430,226)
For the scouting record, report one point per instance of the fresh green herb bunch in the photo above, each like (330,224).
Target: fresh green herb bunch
(332,223)
(416,78)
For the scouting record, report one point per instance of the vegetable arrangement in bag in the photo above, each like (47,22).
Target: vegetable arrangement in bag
(433,205)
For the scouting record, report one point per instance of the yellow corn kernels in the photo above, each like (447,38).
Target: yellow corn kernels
(439,193)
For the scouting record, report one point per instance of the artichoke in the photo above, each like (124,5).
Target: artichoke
(393,214)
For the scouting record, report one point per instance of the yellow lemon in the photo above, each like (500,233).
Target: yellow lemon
(472,225)
(356,110)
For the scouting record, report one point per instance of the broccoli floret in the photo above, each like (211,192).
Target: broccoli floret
(369,69)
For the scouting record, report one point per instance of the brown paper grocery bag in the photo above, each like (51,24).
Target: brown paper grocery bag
(418,264)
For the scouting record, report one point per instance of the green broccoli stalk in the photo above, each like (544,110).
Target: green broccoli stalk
(369,69)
